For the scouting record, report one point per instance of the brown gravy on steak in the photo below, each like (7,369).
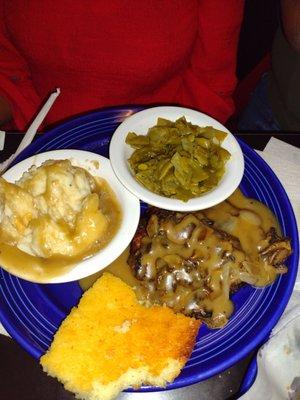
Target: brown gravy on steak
(193,263)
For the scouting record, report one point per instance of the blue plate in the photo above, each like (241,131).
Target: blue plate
(250,376)
(32,313)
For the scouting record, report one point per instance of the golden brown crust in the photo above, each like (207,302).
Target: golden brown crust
(111,341)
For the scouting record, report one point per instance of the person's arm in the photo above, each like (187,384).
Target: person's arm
(18,98)
(214,57)
(5,111)
(290,12)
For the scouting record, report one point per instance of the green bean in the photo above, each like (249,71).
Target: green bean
(178,159)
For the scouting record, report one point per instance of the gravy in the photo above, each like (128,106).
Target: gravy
(246,219)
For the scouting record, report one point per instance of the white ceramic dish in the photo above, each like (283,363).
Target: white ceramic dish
(98,166)
(140,123)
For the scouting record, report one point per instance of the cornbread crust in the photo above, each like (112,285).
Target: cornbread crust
(110,342)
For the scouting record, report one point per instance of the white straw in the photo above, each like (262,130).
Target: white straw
(32,130)
(2,139)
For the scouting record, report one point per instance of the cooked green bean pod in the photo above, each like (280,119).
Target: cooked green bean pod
(178,159)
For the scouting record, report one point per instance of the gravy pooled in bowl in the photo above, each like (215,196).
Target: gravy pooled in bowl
(54,216)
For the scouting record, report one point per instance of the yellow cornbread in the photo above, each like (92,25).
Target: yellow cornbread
(110,342)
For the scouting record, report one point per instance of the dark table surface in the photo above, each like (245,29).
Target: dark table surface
(21,377)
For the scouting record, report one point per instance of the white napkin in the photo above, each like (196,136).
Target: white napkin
(278,361)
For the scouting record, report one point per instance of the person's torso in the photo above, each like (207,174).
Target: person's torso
(108,52)
(284,90)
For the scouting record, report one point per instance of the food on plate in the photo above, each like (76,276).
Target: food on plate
(192,262)
(56,213)
(110,342)
(119,268)
(178,159)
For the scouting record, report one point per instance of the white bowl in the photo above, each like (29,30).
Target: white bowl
(140,123)
(101,167)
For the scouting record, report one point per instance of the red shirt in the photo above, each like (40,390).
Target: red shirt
(103,53)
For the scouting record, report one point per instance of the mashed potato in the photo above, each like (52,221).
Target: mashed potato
(53,210)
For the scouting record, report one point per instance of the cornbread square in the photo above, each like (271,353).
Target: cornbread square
(110,342)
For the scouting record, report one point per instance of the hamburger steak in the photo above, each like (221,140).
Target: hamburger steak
(186,261)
